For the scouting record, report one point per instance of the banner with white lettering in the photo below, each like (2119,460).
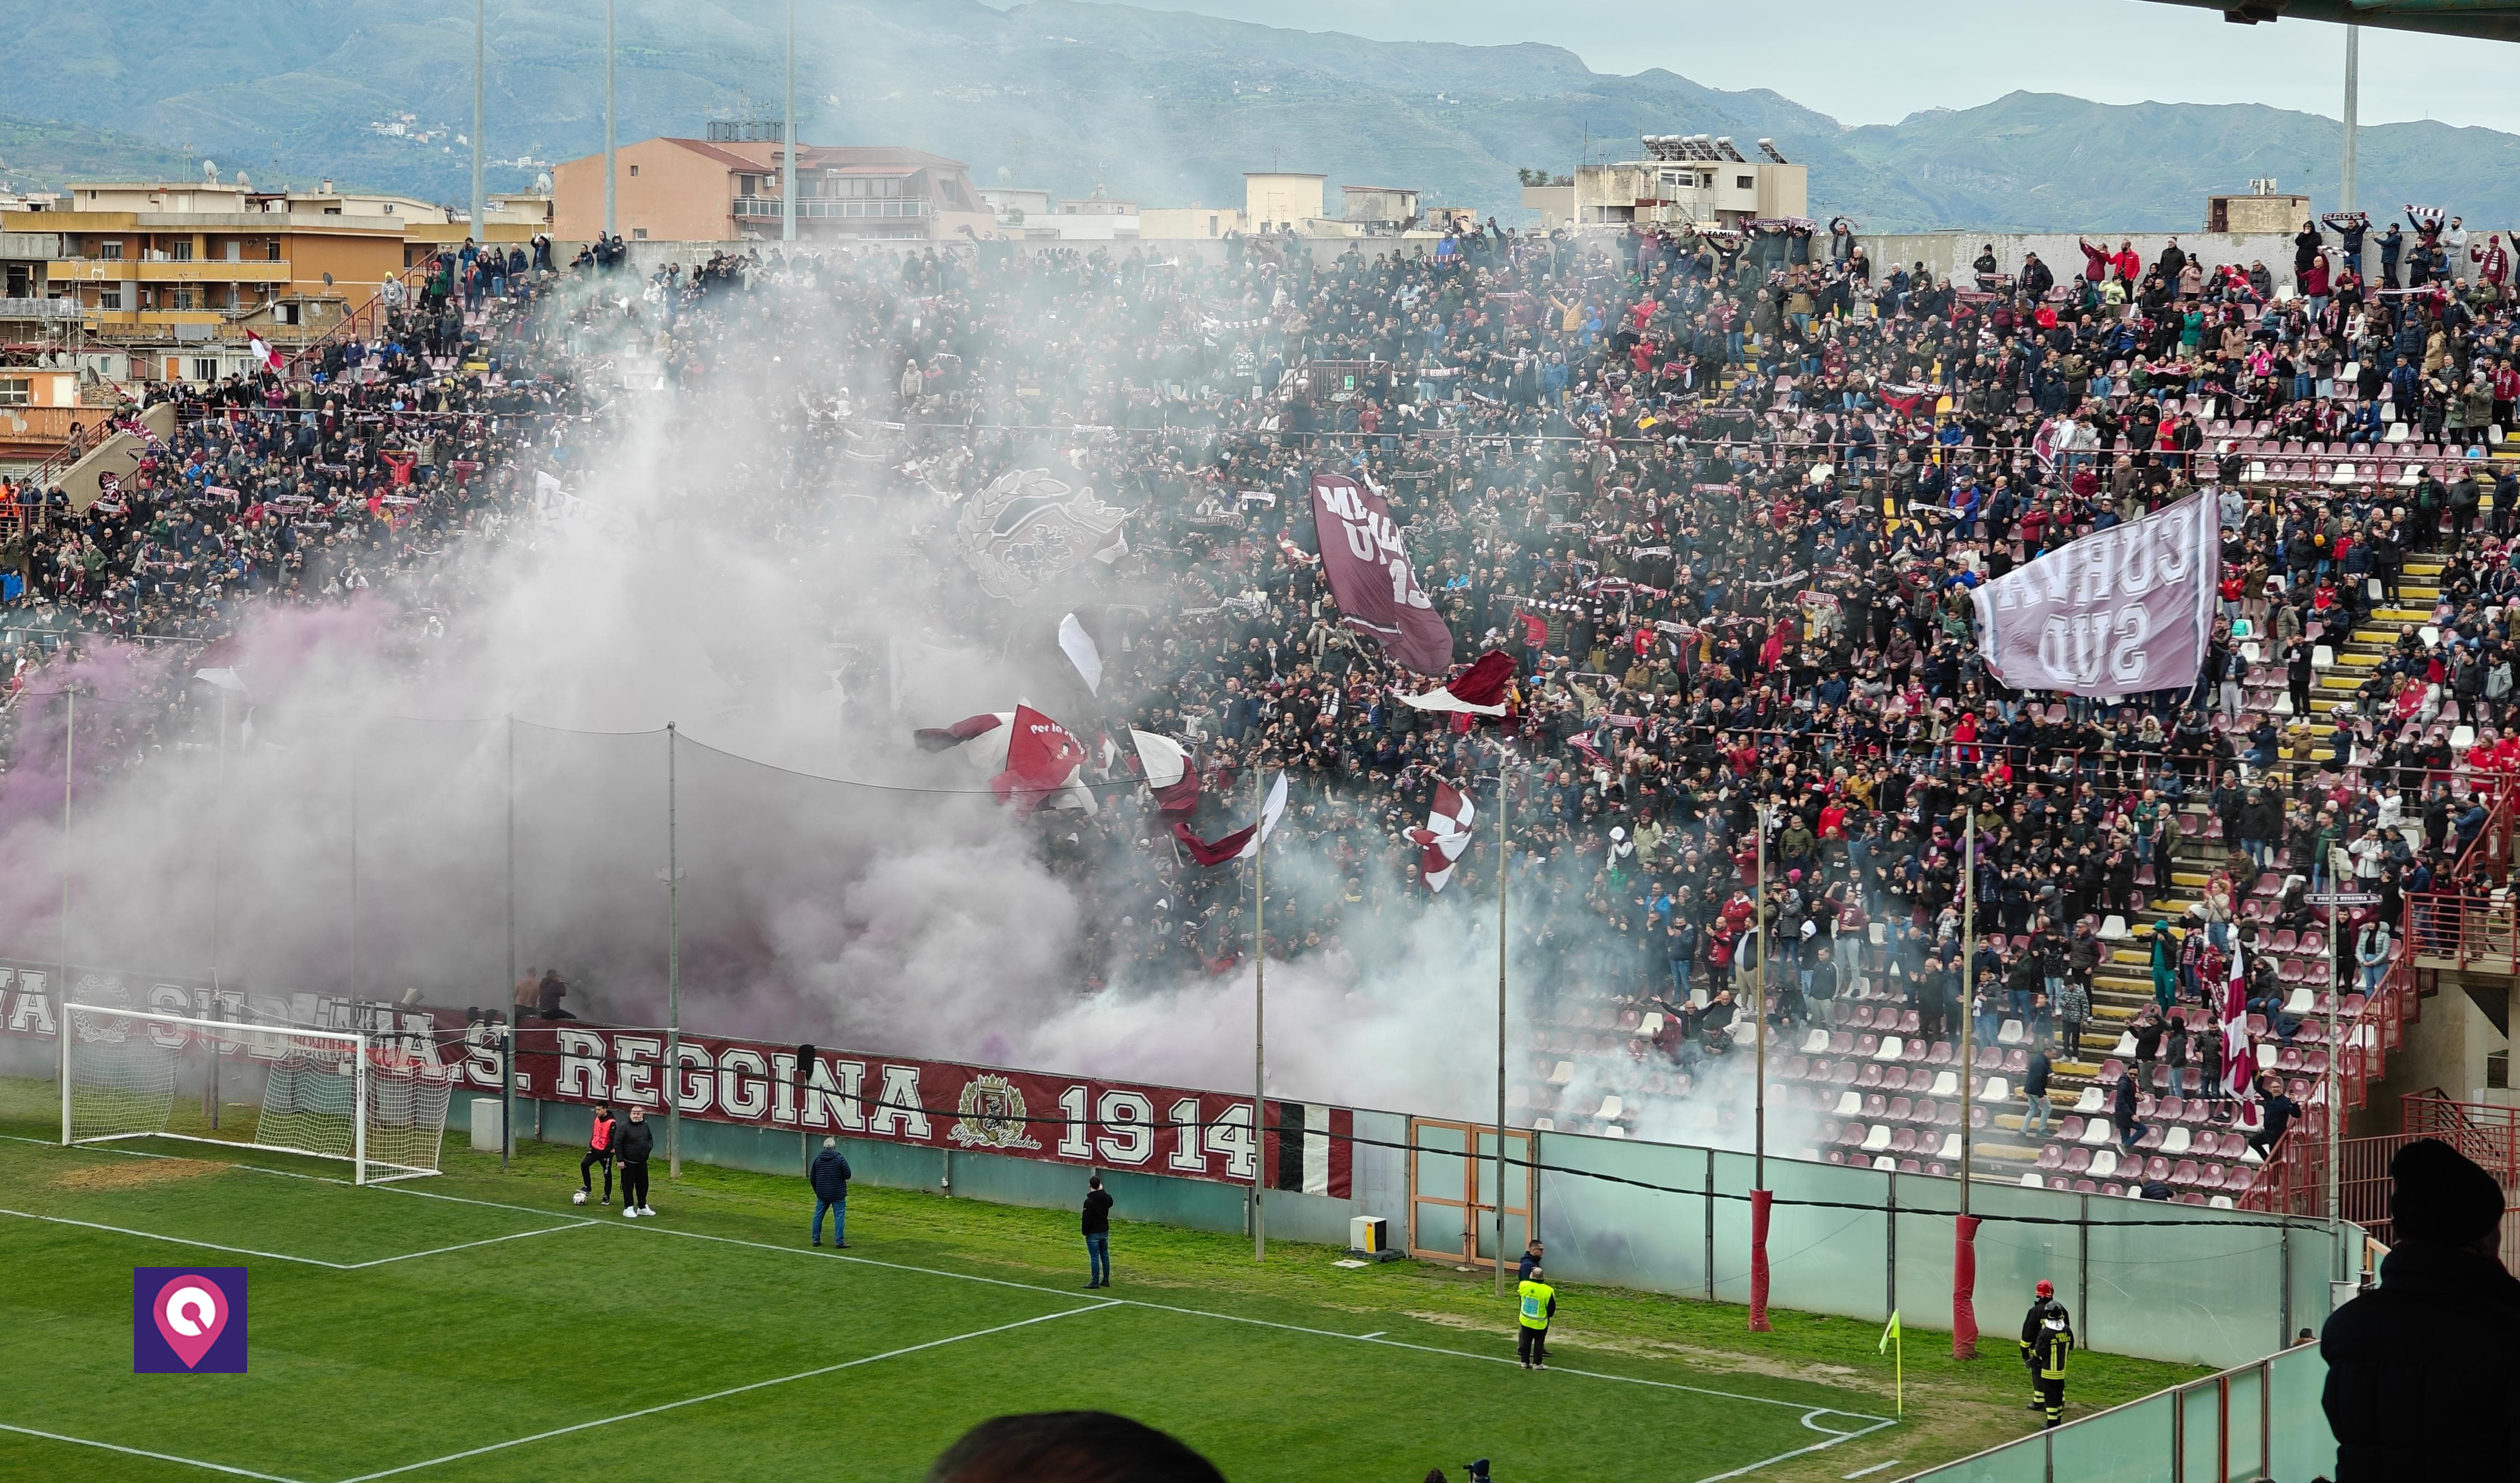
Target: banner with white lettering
(2118,612)
(1085,1121)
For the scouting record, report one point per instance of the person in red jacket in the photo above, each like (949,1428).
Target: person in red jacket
(599,1150)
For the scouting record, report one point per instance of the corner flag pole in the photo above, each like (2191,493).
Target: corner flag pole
(1892,1339)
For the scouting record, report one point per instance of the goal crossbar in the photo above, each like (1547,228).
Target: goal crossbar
(421,1090)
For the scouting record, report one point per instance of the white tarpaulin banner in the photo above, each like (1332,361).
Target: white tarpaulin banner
(2120,611)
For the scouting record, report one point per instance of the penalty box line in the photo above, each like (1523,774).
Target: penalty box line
(1802,1406)
(732,1390)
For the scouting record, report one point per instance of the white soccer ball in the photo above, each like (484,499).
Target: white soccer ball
(577,1198)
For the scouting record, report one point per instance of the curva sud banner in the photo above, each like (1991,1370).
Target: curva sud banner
(2118,612)
(1085,1121)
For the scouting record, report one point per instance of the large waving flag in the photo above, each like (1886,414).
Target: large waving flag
(1042,758)
(1480,690)
(2239,1063)
(1245,843)
(1445,834)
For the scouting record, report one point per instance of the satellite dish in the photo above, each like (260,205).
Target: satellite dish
(210,171)
(1004,176)
(327,280)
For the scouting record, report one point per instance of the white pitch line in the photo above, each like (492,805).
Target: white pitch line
(719,1394)
(1866,1472)
(1834,1439)
(151,1236)
(135,1452)
(412,1256)
(1228,1318)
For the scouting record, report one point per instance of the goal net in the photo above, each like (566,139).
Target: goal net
(328,1094)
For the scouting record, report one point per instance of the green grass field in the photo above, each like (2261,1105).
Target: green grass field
(477,1327)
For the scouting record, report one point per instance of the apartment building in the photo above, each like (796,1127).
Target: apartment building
(727,188)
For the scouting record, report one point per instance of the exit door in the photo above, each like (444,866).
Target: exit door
(1452,1192)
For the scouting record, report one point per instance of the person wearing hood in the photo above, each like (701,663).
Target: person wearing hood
(2422,1380)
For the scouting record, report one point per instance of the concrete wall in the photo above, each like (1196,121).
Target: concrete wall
(1948,254)
(2446,1049)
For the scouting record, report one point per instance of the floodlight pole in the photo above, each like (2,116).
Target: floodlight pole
(673,974)
(2353,107)
(611,221)
(480,196)
(788,170)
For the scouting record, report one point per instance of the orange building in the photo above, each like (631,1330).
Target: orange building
(727,189)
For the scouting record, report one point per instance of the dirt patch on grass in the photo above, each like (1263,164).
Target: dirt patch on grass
(134,1174)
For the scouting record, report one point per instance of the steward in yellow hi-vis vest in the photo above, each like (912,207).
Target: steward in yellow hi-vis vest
(1531,1334)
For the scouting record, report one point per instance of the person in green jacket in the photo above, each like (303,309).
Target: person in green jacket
(2165,965)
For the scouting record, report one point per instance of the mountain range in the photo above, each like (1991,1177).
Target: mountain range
(1162,106)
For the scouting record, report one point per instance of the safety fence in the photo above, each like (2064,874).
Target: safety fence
(2260,1420)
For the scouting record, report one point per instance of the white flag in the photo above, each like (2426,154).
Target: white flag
(1079,647)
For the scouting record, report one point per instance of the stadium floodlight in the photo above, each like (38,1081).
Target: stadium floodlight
(325,1094)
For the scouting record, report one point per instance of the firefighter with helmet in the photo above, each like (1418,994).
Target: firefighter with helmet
(2046,1340)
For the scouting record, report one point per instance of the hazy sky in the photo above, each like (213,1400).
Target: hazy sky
(1874,63)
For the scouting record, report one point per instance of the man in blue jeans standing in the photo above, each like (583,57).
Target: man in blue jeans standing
(830,1177)
(1098,1232)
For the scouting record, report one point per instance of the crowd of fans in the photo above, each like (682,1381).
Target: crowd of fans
(1721,495)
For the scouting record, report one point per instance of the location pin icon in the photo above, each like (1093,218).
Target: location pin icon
(189,1312)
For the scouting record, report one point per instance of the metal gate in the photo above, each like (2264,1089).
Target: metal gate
(1452,1192)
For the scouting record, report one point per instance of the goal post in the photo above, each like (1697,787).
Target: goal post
(324,1094)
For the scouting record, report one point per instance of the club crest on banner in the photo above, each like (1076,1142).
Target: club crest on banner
(992,1115)
(1027,527)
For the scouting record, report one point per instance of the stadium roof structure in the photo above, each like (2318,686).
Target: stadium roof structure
(2486,20)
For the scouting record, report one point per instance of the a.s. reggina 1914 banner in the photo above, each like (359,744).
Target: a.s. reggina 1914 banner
(2118,612)
(1084,1121)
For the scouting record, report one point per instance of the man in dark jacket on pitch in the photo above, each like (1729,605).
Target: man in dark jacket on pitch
(2422,1381)
(637,1140)
(829,1175)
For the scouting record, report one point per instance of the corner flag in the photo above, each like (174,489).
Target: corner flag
(1890,1336)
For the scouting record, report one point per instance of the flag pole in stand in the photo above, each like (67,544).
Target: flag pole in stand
(508,1094)
(673,974)
(1964,1229)
(1760,1197)
(1259,1013)
(1504,843)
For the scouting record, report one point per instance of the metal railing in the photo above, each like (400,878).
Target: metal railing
(895,206)
(2263,1420)
(364,320)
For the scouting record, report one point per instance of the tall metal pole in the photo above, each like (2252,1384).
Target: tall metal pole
(673,973)
(2353,107)
(2336,1091)
(507,1092)
(70,773)
(788,170)
(1504,843)
(218,840)
(481,63)
(1259,1015)
(354,870)
(611,219)
(1969,1020)
(1759,1000)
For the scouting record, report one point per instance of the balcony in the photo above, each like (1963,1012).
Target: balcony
(38,308)
(809,207)
(154,270)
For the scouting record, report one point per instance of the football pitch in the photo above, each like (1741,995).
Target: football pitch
(478,1326)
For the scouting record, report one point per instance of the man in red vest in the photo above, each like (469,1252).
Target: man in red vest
(599,1150)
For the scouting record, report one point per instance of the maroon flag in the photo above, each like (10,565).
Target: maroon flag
(2118,612)
(1040,756)
(1229,847)
(1445,834)
(1369,575)
(1479,690)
